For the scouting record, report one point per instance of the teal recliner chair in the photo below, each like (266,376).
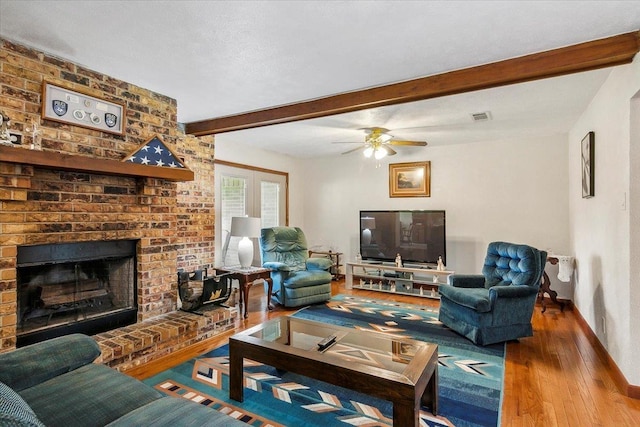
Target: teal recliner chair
(496,306)
(297,279)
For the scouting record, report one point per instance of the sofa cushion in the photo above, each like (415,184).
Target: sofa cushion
(93,395)
(174,411)
(14,411)
(27,366)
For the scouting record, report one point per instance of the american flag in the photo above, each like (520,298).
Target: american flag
(155,153)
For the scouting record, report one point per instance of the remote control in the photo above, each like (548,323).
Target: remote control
(327,342)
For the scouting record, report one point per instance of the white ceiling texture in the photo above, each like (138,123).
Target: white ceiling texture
(219,58)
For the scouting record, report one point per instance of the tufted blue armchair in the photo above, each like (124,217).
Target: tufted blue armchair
(497,305)
(297,279)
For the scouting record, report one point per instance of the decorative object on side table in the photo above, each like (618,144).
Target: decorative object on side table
(80,109)
(588,163)
(410,179)
(246,228)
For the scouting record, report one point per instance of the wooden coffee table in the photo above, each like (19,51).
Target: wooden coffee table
(399,370)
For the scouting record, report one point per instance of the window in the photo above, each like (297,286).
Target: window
(251,192)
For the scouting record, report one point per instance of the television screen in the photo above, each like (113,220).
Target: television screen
(417,235)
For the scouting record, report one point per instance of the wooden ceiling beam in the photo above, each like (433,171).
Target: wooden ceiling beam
(607,52)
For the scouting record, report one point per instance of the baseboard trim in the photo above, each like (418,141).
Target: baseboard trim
(629,390)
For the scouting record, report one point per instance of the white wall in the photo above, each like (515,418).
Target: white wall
(504,190)
(601,236)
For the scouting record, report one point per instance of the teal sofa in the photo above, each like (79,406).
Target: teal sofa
(297,279)
(54,383)
(497,305)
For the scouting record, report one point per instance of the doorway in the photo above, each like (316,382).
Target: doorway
(246,191)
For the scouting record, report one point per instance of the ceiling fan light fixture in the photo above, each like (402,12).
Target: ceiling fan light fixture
(380,153)
(368,151)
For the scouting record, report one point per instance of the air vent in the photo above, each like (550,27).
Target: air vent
(481,117)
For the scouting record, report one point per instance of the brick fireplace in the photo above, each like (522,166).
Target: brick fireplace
(171,222)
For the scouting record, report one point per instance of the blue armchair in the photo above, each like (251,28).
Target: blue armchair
(496,306)
(297,279)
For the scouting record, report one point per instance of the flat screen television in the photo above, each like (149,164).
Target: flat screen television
(419,236)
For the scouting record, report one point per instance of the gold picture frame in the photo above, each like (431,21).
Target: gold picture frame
(410,179)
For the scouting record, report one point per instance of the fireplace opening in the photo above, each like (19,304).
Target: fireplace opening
(87,287)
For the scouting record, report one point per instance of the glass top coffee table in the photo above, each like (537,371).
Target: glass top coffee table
(399,370)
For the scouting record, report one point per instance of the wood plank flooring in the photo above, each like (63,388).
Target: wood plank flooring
(554,378)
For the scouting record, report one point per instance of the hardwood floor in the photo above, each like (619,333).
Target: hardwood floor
(554,378)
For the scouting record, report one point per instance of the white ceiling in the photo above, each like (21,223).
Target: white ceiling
(218,58)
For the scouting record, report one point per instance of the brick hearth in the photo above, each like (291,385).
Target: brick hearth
(172,221)
(143,342)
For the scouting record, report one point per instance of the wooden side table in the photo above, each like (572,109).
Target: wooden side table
(545,287)
(246,277)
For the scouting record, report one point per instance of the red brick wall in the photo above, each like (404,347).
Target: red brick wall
(173,221)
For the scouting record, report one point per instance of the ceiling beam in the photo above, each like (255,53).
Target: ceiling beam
(608,52)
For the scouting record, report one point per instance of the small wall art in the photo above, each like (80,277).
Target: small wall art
(588,162)
(410,179)
(76,108)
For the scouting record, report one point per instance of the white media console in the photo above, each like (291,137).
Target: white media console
(386,277)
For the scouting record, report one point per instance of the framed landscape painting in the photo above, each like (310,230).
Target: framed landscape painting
(410,179)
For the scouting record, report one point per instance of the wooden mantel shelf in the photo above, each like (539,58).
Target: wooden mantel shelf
(70,162)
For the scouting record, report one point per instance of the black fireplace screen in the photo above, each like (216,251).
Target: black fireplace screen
(80,287)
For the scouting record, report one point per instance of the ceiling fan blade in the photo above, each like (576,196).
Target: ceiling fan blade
(390,151)
(347,142)
(408,143)
(353,149)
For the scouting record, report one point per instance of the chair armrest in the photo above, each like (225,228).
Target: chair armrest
(511,291)
(276,266)
(31,365)
(467,280)
(319,263)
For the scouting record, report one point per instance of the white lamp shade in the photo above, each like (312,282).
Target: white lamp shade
(244,226)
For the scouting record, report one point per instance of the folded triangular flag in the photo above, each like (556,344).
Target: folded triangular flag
(155,153)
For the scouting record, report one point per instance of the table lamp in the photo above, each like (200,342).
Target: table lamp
(367,224)
(246,228)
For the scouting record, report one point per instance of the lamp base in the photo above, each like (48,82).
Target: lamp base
(245,252)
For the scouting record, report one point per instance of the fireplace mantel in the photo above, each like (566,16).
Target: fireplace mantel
(70,162)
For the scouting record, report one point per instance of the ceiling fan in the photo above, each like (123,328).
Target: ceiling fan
(378,142)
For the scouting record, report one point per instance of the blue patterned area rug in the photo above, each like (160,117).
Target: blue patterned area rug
(470,377)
